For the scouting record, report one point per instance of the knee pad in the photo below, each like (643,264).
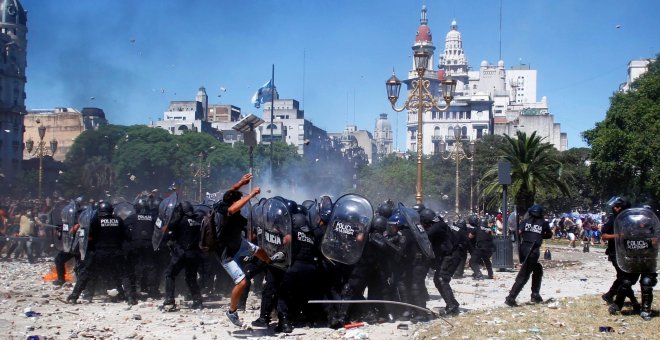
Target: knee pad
(648,281)
(626,283)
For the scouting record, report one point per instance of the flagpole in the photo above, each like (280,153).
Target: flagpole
(272,108)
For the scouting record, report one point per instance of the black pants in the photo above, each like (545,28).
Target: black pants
(269,294)
(102,261)
(364,275)
(298,286)
(445,267)
(143,270)
(479,257)
(188,260)
(60,260)
(460,266)
(530,267)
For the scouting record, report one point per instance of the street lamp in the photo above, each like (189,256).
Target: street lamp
(421,100)
(200,171)
(40,151)
(457,154)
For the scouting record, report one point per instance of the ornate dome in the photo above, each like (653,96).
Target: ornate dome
(423,34)
(453,33)
(12,12)
(382,123)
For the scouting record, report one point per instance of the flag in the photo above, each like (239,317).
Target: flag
(264,94)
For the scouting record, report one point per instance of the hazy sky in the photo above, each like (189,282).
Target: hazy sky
(133,57)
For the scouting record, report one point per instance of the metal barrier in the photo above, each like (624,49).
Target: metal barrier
(503,256)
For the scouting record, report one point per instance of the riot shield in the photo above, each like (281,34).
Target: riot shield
(85,221)
(256,227)
(277,230)
(422,238)
(348,229)
(202,208)
(123,210)
(68,216)
(638,230)
(165,212)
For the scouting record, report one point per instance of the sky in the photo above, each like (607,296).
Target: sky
(131,58)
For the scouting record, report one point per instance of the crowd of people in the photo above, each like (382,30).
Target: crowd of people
(288,253)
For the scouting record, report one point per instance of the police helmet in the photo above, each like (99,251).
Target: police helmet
(379,224)
(483,222)
(299,220)
(187,208)
(325,208)
(385,210)
(292,206)
(427,216)
(473,220)
(619,202)
(418,207)
(105,209)
(396,219)
(141,205)
(461,223)
(536,210)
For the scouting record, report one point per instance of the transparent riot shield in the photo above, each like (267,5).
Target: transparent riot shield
(412,218)
(637,230)
(348,229)
(165,213)
(256,227)
(68,215)
(277,230)
(123,210)
(82,235)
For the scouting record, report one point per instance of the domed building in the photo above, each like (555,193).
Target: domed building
(487,100)
(383,135)
(13,41)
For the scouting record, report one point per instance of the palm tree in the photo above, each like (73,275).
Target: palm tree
(534,167)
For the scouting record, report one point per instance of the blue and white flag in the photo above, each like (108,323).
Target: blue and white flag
(264,94)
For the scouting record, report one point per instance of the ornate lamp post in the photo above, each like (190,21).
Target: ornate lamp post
(420,100)
(199,171)
(40,150)
(457,154)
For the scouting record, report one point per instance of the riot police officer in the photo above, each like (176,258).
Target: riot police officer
(104,252)
(141,255)
(460,231)
(532,232)
(447,256)
(475,253)
(483,248)
(184,232)
(299,284)
(617,205)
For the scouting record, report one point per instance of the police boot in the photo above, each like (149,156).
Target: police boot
(448,295)
(647,300)
(513,293)
(615,307)
(609,296)
(283,324)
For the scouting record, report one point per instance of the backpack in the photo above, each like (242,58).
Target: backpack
(210,230)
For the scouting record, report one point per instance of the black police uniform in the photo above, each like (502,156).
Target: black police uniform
(184,254)
(448,253)
(299,283)
(483,249)
(532,232)
(141,254)
(461,232)
(104,254)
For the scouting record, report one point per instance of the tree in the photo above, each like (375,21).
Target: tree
(625,145)
(534,168)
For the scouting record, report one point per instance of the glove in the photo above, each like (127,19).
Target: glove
(278,257)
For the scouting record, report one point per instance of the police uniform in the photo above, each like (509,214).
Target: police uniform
(448,253)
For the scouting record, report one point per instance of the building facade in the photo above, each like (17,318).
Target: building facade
(183,116)
(383,136)
(63,125)
(13,40)
(636,68)
(487,100)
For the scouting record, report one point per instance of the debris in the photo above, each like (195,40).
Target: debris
(402,326)
(356,334)
(605,329)
(113,292)
(354,325)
